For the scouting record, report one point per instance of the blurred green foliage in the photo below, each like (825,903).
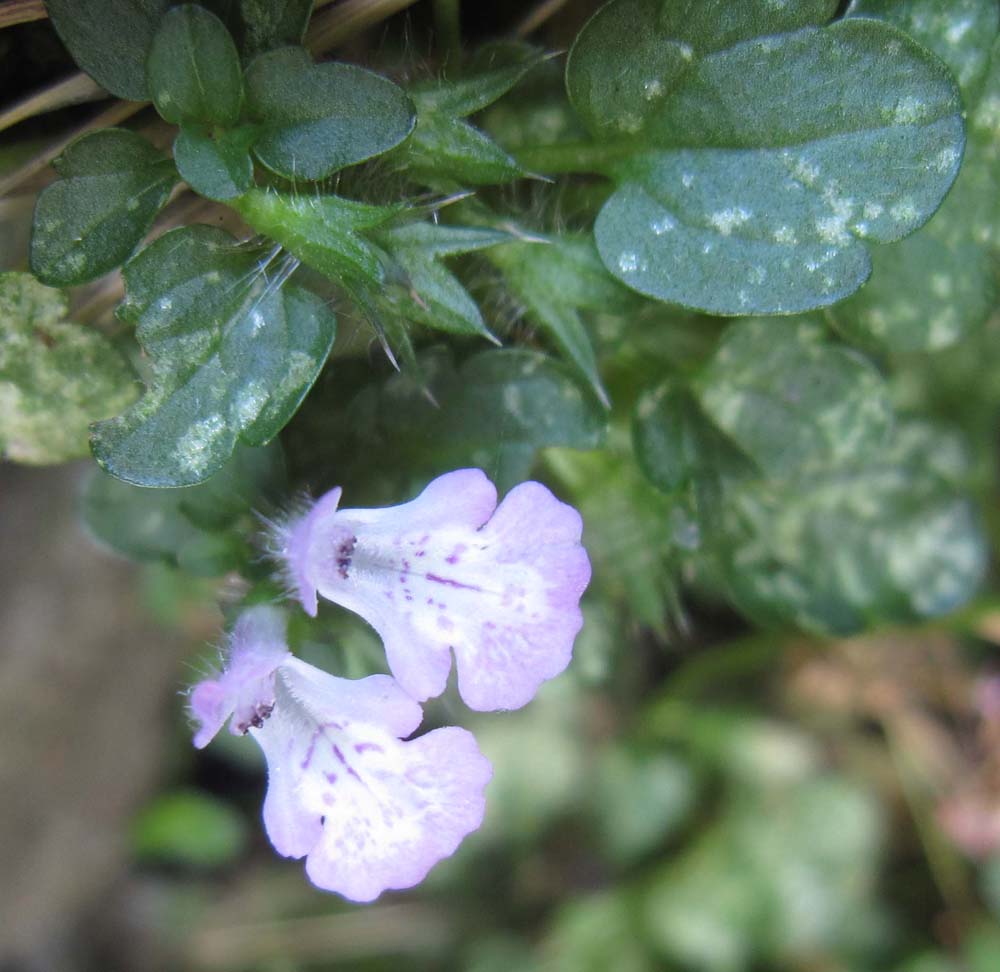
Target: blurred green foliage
(752,762)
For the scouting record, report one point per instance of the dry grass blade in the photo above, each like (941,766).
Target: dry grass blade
(538,16)
(74,90)
(333,27)
(114,115)
(20,12)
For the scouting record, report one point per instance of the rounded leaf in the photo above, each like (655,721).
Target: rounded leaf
(194,68)
(318,118)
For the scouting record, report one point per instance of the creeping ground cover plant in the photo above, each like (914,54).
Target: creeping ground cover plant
(574,422)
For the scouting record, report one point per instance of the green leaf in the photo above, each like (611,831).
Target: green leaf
(628,532)
(771,879)
(273,23)
(596,932)
(892,539)
(960,32)
(683,454)
(55,377)
(194,69)
(753,172)
(110,39)
(554,279)
(218,167)
(929,291)
(982,947)
(111,185)
(197,527)
(318,118)
(641,798)
(495,411)
(324,232)
(793,401)
(633,53)
(233,355)
(445,149)
(429,293)
(493,72)
(191,829)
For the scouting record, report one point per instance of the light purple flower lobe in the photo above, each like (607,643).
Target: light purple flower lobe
(368,811)
(452,571)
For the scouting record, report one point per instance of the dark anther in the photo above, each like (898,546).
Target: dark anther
(344,552)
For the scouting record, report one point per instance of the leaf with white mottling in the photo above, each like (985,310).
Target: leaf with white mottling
(233,351)
(889,540)
(793,401)
(753,172)
(932,289)
(111,185)
(56,377)
(960,32)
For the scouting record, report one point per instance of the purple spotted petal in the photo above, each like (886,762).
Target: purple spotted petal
(245,688)
(450,571)
(368,812)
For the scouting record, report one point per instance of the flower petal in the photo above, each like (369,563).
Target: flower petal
(245,687)
(535,536)
(432,576)
(368,811)
(409,807)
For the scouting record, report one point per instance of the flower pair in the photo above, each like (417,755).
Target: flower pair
(449,572)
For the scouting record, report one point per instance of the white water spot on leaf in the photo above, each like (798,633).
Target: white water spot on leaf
(946,159)
(726,220)
(804,170)
(904,211)
(652,89)
(832,229)
(909,111)
(785,234)
(628,262)
(662,225)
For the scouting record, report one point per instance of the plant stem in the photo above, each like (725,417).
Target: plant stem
(572,157)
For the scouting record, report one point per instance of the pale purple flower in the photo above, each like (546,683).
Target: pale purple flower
(452,571)
(368,811)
